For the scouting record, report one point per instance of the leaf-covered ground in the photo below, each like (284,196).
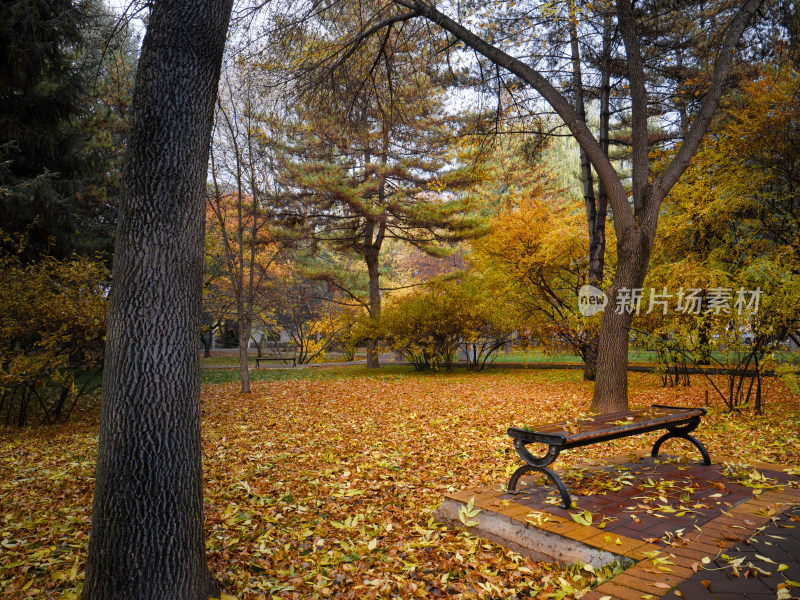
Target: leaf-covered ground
(324,486)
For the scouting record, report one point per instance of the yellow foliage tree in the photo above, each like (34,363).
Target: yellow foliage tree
(52,335)
(730,226)
(535,258)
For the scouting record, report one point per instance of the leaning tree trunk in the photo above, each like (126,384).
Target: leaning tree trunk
(147,538)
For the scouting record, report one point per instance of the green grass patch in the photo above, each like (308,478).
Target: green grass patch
(307,373)
(232,358)
(539,357)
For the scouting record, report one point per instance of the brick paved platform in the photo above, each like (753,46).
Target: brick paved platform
(688,530)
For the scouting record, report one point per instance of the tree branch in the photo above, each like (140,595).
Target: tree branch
(355,44)
(679,163)
(623,214)
(636,79)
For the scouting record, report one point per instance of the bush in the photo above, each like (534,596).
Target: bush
(429,325)
(52,335)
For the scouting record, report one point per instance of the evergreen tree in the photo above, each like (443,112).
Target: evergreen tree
(367,163)
(64,79)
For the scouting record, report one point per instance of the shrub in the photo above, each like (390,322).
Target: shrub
(429,325)
(52,335)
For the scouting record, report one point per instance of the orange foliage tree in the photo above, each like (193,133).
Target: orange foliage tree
(535,255)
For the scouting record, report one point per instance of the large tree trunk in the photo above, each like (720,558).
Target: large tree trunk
(611,387)
(245,327)
(147,538)
(371,256)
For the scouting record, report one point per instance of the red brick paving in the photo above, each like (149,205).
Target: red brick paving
(713,494)
(722,520)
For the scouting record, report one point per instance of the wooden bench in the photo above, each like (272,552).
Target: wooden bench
(270,358)
(678,422)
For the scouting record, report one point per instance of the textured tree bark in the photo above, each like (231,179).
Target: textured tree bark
(147,538)
(372,250)
(610,391)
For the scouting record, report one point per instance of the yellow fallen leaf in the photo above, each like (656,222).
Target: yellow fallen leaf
(765,559)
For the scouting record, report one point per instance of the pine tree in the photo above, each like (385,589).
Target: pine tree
(367,163)
(61,131)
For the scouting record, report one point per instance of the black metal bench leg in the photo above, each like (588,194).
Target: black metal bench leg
(512,483)
(682,433)
(539,464)
(566,500)
(562,489)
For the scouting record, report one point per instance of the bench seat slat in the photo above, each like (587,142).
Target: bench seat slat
(614,425)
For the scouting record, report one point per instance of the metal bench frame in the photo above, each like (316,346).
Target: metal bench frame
(678,422)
